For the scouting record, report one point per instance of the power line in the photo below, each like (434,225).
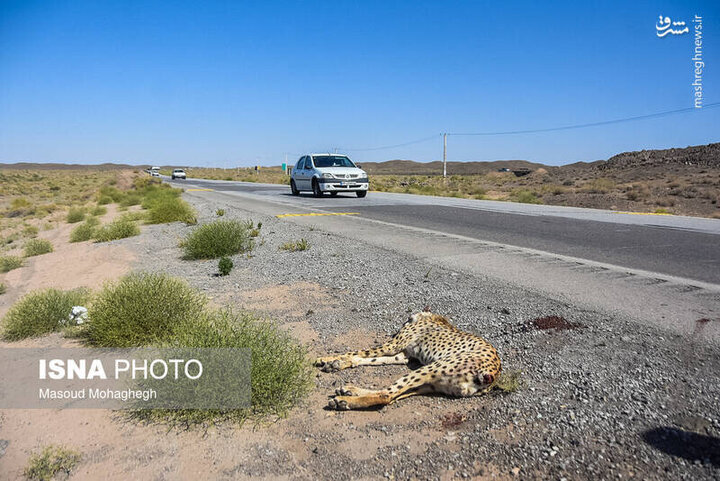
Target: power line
(424,139)
(592,124)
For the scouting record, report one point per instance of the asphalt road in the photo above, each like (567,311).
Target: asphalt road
(672,245)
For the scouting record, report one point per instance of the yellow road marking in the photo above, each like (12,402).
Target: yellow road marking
(199,190)
(280,216)
(642,213)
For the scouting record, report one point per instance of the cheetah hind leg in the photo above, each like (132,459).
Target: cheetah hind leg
(408,385)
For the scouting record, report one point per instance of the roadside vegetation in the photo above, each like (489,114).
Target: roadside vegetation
(37,247)
(51,462)
(8,263)
(41,312)
(293,246)
(217,239)
(118,229)
(127,314)
(75,214)
(155,309)
(225,265)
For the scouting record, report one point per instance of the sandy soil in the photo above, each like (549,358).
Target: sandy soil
(121,449)
(70,265)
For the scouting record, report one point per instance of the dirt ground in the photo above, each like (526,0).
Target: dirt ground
(121,449)
(70,265)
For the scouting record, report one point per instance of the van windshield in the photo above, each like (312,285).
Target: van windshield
(332,161)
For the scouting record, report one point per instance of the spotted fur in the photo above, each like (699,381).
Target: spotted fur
(454,362)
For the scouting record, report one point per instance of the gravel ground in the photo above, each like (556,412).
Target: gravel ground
(608,399)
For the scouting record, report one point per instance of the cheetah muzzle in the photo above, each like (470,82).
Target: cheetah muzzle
(454,362)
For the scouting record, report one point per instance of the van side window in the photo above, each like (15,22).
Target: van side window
(308,162)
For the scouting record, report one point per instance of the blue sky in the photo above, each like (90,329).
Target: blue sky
(238,83)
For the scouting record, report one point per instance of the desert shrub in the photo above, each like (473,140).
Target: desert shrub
(30,231)
(115,194)
(20,203)
(525,197)
(104,200)
(225,265)
(131,198)
(134,216)
(8,263)
(75,214)
(599,186)
(508,382)
(41,312)
(301,245)
(98,210)
(51,461)
(281,373)
(165,205)
(217,239)
(140,309)
(220,212)
(36,247)
(3,289)
(85,231)
(118,229)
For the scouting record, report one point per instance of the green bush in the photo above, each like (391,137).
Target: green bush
(36,247)
(41,312)
(3,289)
(140,309)
(301,245)
(281,374)
(85,231)
(115,194)
(104,200)
(225,265)
(98,210)
(8,263)
(52,460)
(75,214)
(168,207)
(30,231)
(525,197)
(118,229)
(217,239)
(134,216)
(131,198)
(220,212)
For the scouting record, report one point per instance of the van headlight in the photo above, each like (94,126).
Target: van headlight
(327,176)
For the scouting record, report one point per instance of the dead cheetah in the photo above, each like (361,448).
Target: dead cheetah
(454,362)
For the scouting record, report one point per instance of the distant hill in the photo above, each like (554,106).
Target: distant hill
(58,166)
(698,155)
(408,167)
(703,155)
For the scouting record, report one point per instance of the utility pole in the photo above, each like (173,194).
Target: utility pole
(445,155)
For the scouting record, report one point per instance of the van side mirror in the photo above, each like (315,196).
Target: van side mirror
(358,166)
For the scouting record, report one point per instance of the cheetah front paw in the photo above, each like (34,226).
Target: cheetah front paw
(339,404)
(330,364)
(348,390)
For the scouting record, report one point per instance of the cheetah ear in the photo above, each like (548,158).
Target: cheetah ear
(426,309)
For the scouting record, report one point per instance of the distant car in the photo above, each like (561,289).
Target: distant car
(178,174)
(504,169)
(154,173)
(320,173)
